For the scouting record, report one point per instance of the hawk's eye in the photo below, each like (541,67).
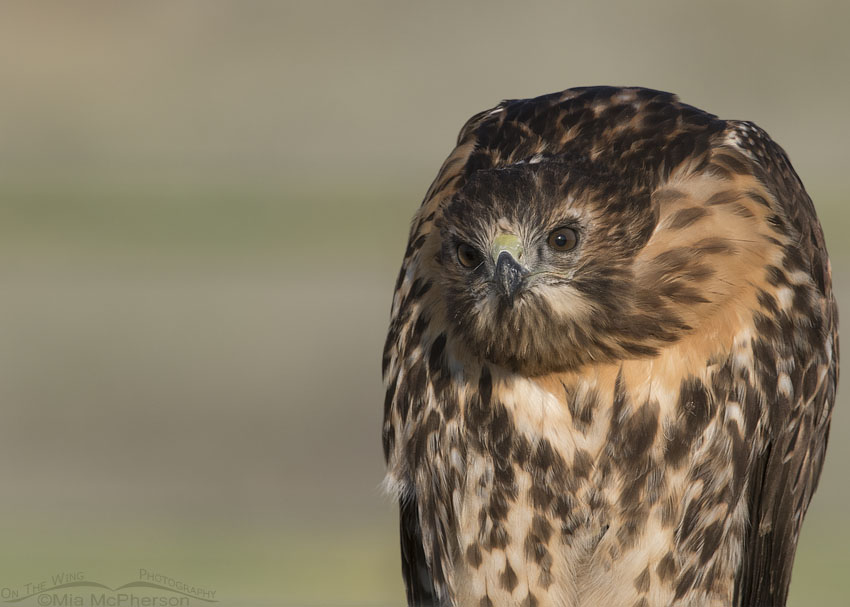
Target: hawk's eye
(468,256)
(563,239)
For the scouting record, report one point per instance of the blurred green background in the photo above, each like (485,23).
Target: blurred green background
(202,210)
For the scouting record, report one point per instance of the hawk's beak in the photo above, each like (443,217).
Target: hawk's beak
(507,249)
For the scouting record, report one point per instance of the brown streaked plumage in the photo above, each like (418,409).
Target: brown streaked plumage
(612,360)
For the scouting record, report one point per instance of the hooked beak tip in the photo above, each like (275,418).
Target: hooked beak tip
(509,275)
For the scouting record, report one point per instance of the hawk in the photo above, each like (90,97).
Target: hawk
(612,360)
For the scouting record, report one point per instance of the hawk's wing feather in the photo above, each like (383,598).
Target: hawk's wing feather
(782,481)
(417,576)
(785,471)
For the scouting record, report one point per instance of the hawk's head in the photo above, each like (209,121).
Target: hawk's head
(545,266)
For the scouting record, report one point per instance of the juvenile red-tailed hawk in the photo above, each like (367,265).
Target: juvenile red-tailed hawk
(612,360)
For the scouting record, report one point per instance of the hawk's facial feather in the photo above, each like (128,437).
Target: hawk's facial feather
(568,263)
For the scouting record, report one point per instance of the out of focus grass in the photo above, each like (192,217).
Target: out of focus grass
(344,563)
(301,227)
(191,384)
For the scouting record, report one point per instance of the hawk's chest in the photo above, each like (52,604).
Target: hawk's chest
(565,488)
